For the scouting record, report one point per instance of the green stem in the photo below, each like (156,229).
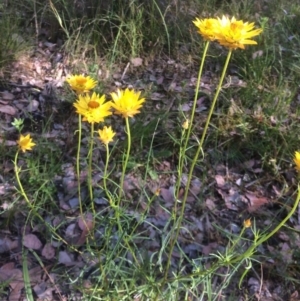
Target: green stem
(105,173)
(78,163)
(191,121)
(23,193)
(17,170)
(117,206)
(126,160)
(200,146)
(268,236)
(184,148)
(180,218)
(246,254)
(214,101)
(90,180)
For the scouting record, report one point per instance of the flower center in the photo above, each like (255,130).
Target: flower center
(93,104)
(81,81)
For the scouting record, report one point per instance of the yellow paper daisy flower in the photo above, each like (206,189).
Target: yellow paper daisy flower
(93,108)
(81,84)
(247,223)
(297,160)
(234,34)
(127,102)
(186,124)
(25,143)
(207,28)
(106,135)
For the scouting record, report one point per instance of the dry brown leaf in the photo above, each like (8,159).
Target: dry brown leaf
(65,258)
(257,54)
(255,202)
(8,110)
(42,292)
(210,204)
(15,278)
(38,67)
(167,194)
(131,183)
(6,244)
(136,62)
(32,242)
(294,296)
(231,198)
(286,253)
(210,248)
(195,187)
(157,96)
(5,95)
(48,251)
(71,231)
(33,106)
(86,224)
(8,266)
(220,180)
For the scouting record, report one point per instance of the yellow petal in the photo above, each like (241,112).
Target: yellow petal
(25,143)
(127,102)
(235,34)
(80,83)
(106,135)
(93,108)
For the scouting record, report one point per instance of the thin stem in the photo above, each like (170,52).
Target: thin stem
(105,172)
(117,206)
(126,159)
(90,181)
(214,102)
(183,150)
(78,163)
(23,193)
(191,121)
(268,236)
(17,170)
(180,218)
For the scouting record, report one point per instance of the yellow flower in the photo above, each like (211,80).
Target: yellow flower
(234,33)
(185,124)
(93,108)
(81,84)
(297,160)
(106,135)
(157,192)
(127,103)
(207,28)
(25,143)
(247,223)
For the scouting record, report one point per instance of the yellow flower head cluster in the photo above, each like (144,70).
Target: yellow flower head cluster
(230,33)
(81,84)
(207,28)
(297,160)
(185,124)
(25,143)
(247,223)
(93,108)
(127,102)
(106,135)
